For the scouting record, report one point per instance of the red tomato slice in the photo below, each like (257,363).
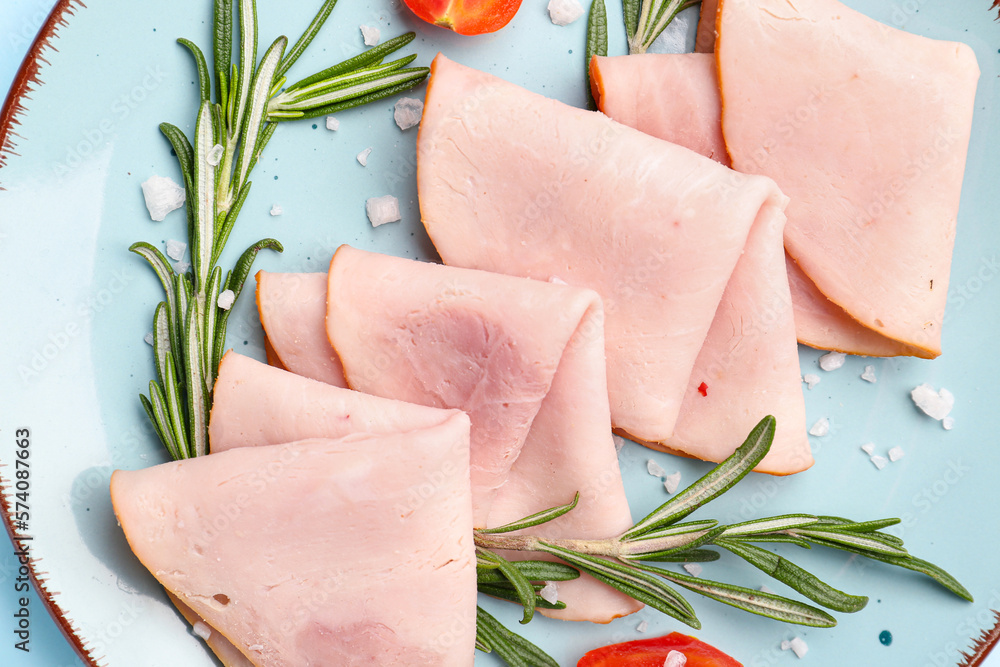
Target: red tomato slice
(652,652)
(466,17)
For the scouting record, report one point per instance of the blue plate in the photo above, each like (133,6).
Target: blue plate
(75,306)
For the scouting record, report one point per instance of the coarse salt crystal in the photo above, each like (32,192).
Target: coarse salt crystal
(869,374)
(381,210)
(371,34)
(948,423)
(655,469)
(564,12)
(226,299)
(363,156)
(799,647)
(202,629)
(811,380)
(869,448)
(693,569)
(785,644)
(332,123)
(820,428)
(831,361)
(765,589)
(935,404)
(549,592)
(642,627)
(407,112)
(182,267)
(879,461)
(214,156)
(162,196)
(149,338)
(896,453)
(672,481)
(675,659)
(619,442)
(175,249)
(276,210)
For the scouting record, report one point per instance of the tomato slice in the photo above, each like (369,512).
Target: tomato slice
(654,651)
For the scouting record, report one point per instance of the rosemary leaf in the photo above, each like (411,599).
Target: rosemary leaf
(533,570)
(868,542)
(419,75)
(535,519)
(373,55)
(719,480)
(754,601)
(248,60)
(513,649)
(204,81)
(260,87)
(768,525)
(794,576)
(523,589)
(307,36)
(597,41)
(222,43)
(631,580)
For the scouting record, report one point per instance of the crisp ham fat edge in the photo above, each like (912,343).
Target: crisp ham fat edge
(512,182)
(273,579)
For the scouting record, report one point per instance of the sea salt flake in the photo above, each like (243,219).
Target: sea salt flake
(549,592)
(869,448)
(869,374)
(149,338)
(785,644)
(820,428)
(879,461)
(896,453)
(381,210)
(935,404)
(675,659)
(672,481)
(371,34)
(407,112)
(175,249)
(765,589)
(642,627)
(811,380)
(214,156)
(332,124)
(162,196)
(655,469)
(226,299)
(202,629)
(276,210)
(619,442)
(363,156)
(799,647)
(948,423)
(564,12)
(831,361)
(182,267)
(693,569)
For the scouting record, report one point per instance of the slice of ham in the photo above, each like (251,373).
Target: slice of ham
(283,304)
(685,107)
(704,41)
(525,359)
(866,129)
(300,554)
(224,650)
(653,227)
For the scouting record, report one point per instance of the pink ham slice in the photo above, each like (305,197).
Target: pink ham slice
(676,97)
(292,551)
(866,129)
(749,362)
(525,359)
(653,227)
(297,298)
(705,40)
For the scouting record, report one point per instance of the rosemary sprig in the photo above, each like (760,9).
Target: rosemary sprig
(621,562)
(189,326)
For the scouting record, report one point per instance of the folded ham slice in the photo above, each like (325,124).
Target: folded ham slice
(525,359)
(705,40)
(653,227)
(866,129)
(284,305)
(676,97)
(299,554)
